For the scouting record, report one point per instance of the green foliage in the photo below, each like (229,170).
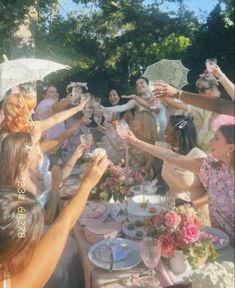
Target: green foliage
(114,43)
(202,249)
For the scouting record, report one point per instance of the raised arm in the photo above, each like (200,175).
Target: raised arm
(175,103)
(52,204)
(59,117)
(121,108)
(49,248)
(217,105)
(50,144)
(186,162)
(72,161)
(223,79)
(142,102)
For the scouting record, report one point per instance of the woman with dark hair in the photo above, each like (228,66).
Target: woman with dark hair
(207,85)
(144,101)
(216,173)
(181,137)
(28,259)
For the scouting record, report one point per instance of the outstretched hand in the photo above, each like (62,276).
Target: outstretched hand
(96,169)
(161,90)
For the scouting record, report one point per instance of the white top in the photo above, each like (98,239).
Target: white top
(44,111)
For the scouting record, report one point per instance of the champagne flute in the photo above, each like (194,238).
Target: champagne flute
(107,116)
(210,63)
(76,93)
(122,129)
(86,97)
(98,119)
(150,252)
(86,140)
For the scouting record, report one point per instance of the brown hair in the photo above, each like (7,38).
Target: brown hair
(228,133)
(149,133)
(16,117)
(15,250)
(13,157)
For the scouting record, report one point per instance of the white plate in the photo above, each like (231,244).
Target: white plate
(140,189)
(220,234)
(134,208)
(130,261)
(132,233)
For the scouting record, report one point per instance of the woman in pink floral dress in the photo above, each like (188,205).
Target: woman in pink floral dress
(216,173)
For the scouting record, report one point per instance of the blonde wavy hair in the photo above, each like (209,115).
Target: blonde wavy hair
(16,117)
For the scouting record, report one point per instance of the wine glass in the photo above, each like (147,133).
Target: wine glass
(122,129)
(88,111)
(76,93)
(86,140)
(107,115)
(98,118)
(150,252)
(210,63)
(86,97)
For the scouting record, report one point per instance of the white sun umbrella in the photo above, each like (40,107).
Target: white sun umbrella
(170,71)
(23,70)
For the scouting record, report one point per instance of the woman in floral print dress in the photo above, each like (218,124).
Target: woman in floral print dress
(216,173)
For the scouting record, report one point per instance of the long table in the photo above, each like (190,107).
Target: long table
(99,278)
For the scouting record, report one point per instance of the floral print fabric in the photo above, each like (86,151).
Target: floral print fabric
(219,182)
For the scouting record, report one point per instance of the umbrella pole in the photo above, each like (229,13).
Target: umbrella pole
(27,110)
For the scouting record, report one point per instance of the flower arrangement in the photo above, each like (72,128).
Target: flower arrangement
(113,184)
(178,228)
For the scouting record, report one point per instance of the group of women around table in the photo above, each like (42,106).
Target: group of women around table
(28,256)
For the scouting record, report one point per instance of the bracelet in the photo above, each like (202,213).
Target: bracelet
(178,94)
(221,77)
(69,165)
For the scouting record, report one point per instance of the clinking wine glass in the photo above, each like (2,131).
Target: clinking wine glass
(86,97)
(150,252)
(122,129)
(86,140)
(210,63)
(98,118)
(107,116)
(76,93)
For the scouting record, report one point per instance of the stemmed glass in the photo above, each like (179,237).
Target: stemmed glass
(86,97)
(107,116)
(76,93)
(86,140)
(98,116)
(210,63)
(122,129)
(150,252)
(153,86)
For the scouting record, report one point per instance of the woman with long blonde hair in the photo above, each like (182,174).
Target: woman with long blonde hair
(28,259)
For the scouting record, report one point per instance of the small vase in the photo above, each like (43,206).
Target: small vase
(178,262)
(201,260)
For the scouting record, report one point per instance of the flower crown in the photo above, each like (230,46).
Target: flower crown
(78,84)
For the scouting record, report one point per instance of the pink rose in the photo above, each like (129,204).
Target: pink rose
(172,219)
(168,246)
(189,233)
(157,220)
(111,182)
(115,171)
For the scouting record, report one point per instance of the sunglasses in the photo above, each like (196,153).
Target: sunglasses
(203,89)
